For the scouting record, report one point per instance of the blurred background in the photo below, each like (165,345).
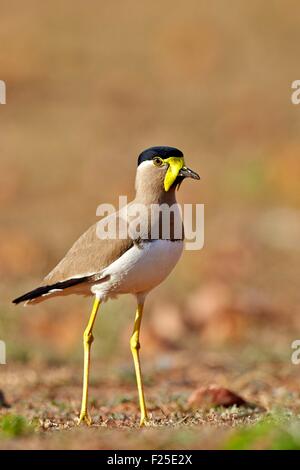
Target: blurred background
(89,86)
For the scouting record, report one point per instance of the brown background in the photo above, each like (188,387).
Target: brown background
(90,85)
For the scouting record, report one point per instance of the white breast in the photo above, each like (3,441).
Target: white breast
(140,269)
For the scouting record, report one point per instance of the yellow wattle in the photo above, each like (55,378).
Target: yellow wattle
(175,165)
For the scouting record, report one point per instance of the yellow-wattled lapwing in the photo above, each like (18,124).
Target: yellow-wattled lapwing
(132,264)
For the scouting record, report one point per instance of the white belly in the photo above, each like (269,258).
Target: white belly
(140,269)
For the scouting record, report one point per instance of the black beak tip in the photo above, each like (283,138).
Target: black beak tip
(188,173)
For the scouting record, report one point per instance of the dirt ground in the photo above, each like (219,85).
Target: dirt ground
(44,401)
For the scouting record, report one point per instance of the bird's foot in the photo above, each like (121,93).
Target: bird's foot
(144,421)
(84,418)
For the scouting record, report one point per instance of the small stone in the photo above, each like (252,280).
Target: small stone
(207,397)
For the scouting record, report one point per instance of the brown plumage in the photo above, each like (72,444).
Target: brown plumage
(89,255)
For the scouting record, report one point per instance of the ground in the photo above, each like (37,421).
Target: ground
(44,403)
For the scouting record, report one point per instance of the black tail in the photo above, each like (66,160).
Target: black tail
(43,290)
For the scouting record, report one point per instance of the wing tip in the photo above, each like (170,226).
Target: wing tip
(44,290)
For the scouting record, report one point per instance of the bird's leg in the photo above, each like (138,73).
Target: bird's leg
(87,342)
(135,347)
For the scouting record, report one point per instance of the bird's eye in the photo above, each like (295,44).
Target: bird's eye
(158,161)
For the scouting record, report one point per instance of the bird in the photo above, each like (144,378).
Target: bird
(105,266)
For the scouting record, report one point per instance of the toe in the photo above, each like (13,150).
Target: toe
(85,418)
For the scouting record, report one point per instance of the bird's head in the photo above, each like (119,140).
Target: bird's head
(165,165)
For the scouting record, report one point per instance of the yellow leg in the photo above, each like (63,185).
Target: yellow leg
(87,342)
(135,347)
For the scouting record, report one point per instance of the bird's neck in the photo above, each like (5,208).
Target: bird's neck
(149,192)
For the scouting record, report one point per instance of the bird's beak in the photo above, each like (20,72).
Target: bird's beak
(188,173)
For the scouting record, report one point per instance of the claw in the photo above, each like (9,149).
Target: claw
(144,421)
(84,418)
